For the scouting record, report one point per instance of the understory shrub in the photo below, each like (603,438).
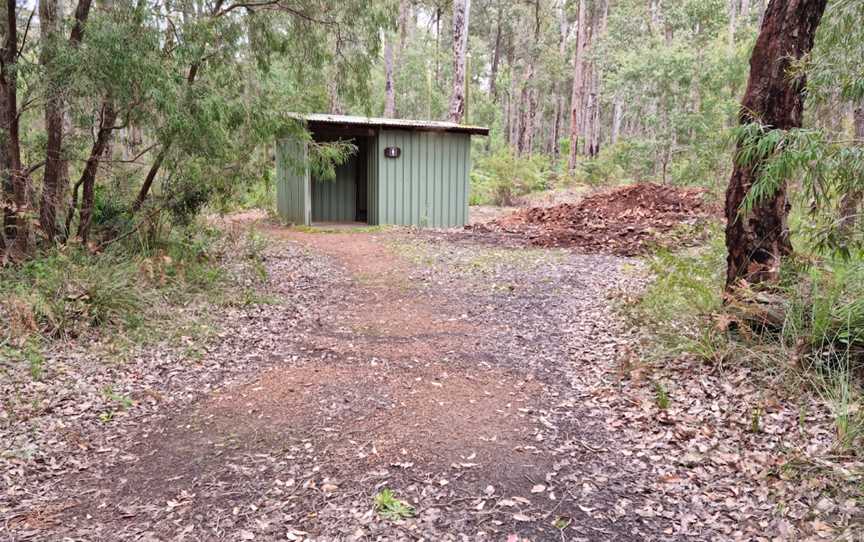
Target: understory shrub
(71,291)
(501,177)
(818,344)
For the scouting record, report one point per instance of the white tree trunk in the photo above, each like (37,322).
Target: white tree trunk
(577,96)
(461,11)
(389,91)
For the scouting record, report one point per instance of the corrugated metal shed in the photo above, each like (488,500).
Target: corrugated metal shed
(406,172)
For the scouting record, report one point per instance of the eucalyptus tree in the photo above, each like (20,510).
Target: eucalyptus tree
(205,84)
(758,240)
(461,18)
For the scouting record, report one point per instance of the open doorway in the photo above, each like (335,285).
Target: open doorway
(344,198)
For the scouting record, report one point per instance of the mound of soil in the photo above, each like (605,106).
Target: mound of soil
(626,221)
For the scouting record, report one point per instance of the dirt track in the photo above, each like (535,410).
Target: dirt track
(485,386)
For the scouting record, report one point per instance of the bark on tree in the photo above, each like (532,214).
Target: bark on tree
(576,97)
(87,182)
(16,182)
(593,134)
(758,242)
(850,204)
(560,87)
(54,177)
(392,61)
(461,12)
(496,59)
(733,22)
(389,92)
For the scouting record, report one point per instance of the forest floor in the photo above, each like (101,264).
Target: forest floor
(492,389)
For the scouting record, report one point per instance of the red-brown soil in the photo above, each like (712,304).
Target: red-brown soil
(625,221)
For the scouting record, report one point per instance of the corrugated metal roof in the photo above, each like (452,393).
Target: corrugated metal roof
(405,124)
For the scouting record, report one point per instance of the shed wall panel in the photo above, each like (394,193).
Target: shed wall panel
(335,200)
(293,187)
(427,185)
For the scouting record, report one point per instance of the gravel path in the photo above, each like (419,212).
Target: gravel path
(492,389)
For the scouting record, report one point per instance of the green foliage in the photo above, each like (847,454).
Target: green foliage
(834,67)
(501,177)
(69,292)
(827,169)
(661,396)
(66,292)
(820,343)
(389,507)
(685,290)
(325,157)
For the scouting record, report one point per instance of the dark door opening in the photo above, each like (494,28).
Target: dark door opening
(361,206)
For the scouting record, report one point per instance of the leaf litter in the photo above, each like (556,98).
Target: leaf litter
(302,411)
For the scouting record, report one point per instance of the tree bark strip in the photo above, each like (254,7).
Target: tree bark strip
(758,242)
(576,97)
(16,182)
(54,177)
(461,12)
(850,203)
(389,91)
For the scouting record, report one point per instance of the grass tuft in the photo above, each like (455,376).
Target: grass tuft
(389,507)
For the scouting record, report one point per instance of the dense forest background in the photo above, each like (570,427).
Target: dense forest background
(111,104)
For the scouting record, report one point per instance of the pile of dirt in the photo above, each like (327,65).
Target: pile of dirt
(626,221)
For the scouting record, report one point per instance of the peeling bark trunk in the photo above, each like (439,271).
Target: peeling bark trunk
(578,83)
(461,12)
(758,242)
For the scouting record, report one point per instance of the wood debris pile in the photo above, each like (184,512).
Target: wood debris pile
(626,221)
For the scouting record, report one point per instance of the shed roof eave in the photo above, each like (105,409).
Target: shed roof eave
(321,119)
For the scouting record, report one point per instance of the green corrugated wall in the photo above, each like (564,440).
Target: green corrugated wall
(335,201)
(293,186)
(428,184)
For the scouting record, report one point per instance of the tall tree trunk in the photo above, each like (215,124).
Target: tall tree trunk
(55,174)
(599,25)
(87,182)
(559,86)
(526,120)
(389,92)
(16,182)
(461,12)
(758,242)
(577,95)
(49,26)
(733,21)
(496,59)
(617,117)
(850,204)
(393,60)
